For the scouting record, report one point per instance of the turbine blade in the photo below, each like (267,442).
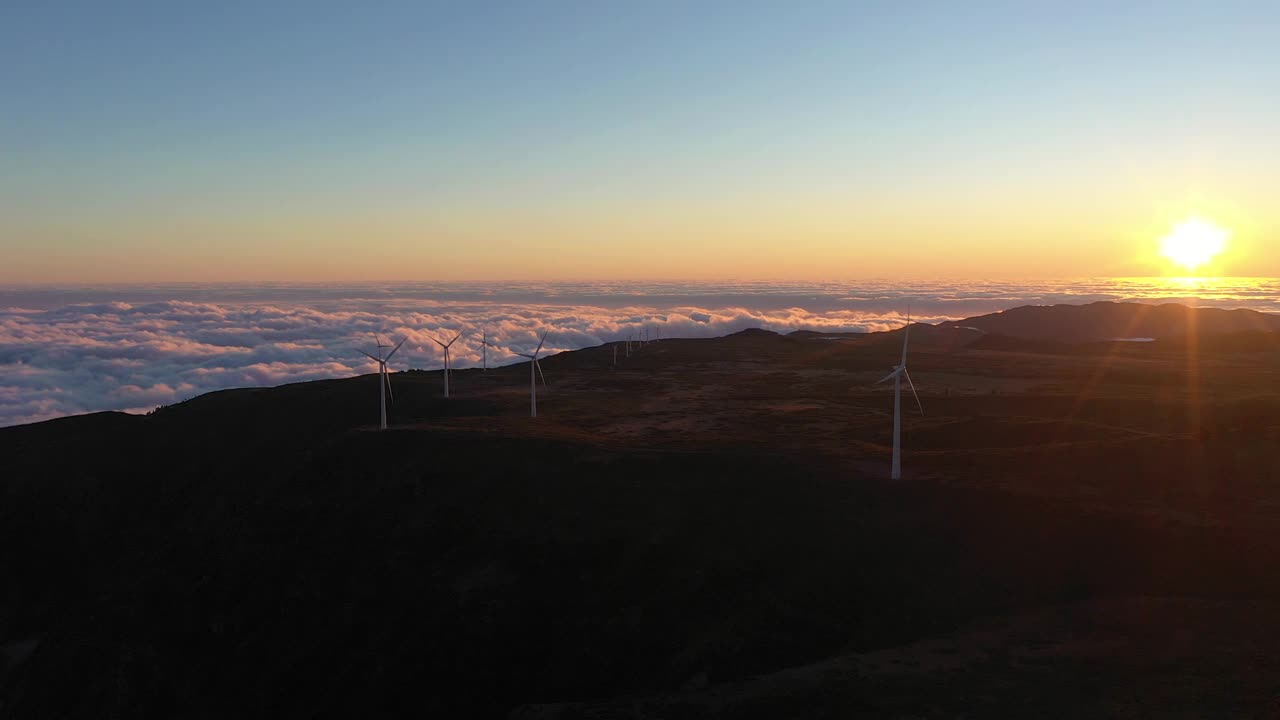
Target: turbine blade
(539,366)
(367,355)
(907,375)
(455,338)
(540,342)
(387,377)
(438,342)
(525,355)
(393,352)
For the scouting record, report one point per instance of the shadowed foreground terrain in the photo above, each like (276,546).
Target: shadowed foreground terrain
(1084,529)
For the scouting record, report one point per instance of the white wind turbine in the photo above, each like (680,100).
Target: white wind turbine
(484,350)
(384,380)
(446,360)
(533,383)
(899,372)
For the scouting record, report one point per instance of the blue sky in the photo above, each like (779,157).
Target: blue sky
(228,140)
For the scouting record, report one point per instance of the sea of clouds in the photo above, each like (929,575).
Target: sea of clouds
(68,350)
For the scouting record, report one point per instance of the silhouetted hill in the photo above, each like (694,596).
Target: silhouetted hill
(1110,320)
(813,334)
(932,337)
(703,528)
(922,334)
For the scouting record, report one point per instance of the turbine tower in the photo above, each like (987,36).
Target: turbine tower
(900,372)
(446,360)
(533,382)
(384,380)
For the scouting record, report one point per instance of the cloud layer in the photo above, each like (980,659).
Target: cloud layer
(136,348)
(121,356)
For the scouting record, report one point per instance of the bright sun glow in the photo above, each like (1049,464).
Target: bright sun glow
(1194,242)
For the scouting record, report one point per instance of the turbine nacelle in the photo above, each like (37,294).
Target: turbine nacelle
(534,357)
(896,375)
(897,370)
(445,346)
(384,378)
(533,382)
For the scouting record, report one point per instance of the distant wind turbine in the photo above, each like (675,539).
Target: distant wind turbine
(445,346)
(899,372)
(533,382)
(484,351)
(384,379)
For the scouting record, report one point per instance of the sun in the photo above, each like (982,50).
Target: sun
(1194,242)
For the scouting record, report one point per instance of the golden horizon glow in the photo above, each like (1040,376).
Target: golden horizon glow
(1194,242)
(755,238)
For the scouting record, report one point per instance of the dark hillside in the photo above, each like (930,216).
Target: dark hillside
(708,518)
(1109,320)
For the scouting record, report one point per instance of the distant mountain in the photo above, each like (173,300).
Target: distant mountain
(1101,321)
(753,332)
(811,334)
(922,335)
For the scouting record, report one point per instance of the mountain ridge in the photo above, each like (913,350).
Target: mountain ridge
(1109,320)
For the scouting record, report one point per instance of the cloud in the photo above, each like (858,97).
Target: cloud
(66,351)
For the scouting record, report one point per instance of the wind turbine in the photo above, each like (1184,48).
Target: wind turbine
(899,372)
(446,360)
(484,351)
(384,380)
(533,381)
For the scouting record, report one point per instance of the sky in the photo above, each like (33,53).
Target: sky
(338,141)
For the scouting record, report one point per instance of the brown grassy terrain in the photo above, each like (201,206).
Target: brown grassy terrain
(703,530)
